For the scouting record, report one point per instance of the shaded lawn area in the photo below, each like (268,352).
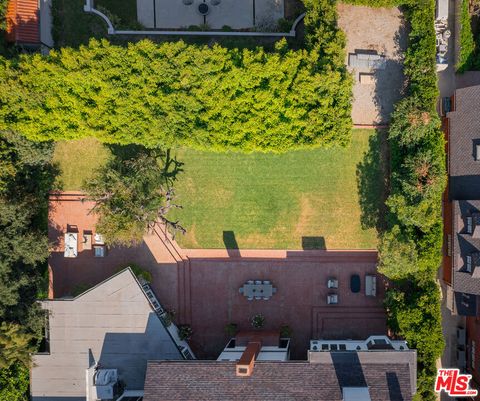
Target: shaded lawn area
(324,198)
(72,26)
(126,10)
(78,160)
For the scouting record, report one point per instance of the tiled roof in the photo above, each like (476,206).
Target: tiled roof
(464,125)
(275,381)
(23,22)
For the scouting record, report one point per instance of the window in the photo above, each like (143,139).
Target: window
(469,225)
(99,251)
(472,355)
(469,263)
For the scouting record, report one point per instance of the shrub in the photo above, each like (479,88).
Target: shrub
(231,329)
(286,331)
(168,317)
(173,93)
(140,272)
(184,332)
(258,321)
(466,56)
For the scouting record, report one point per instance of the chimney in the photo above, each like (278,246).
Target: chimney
(247,360)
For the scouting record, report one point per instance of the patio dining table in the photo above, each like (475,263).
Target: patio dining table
(258,290)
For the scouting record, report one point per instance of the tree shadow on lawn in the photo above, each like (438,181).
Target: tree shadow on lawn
(372,182)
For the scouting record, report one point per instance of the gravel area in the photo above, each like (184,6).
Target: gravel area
(381,31)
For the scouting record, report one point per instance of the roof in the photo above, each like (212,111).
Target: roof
(465,244)
(464,126)
(387,374)
(23,22)
(111,324)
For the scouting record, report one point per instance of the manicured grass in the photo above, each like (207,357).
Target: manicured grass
(304,199)
(78,160)
(301,199)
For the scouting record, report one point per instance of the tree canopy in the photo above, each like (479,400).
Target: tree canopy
(132,192)
(174,93)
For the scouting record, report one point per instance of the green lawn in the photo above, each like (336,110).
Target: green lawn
(302,199)
(78,160)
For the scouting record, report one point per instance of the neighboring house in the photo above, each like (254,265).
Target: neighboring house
(23,25)
(382,372)
(99,339)
(462,220)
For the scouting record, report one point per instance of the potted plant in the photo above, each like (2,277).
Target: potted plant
(185,332)
(258,321)
(231,329)
(286,331)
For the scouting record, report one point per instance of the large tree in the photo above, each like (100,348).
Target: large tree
(132,192)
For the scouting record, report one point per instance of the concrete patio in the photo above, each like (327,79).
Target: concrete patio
(245,14)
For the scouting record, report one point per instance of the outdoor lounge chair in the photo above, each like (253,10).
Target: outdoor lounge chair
(332,283)
(332,299)
(250,299)
(258,298)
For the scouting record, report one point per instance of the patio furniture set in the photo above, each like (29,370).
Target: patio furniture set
(71,243)
(355,286)
(258,290)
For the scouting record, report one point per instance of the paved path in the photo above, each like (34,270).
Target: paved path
(446,78)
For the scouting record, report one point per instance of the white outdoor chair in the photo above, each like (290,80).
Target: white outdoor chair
(258,282)
(258,298)
(250,282)
(266,298)
(267,282)
(332,283)
(250,299)
(332,299)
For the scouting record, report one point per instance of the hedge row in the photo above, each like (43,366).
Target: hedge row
(469,55)
(410,251)
(411,247)
(177,94)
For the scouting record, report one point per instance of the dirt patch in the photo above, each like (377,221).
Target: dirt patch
(381,31)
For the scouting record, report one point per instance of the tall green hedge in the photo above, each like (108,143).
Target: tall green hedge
(177,94)
(410,252)
(411,247)
(468,57)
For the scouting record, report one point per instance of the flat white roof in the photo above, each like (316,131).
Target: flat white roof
(113,325)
